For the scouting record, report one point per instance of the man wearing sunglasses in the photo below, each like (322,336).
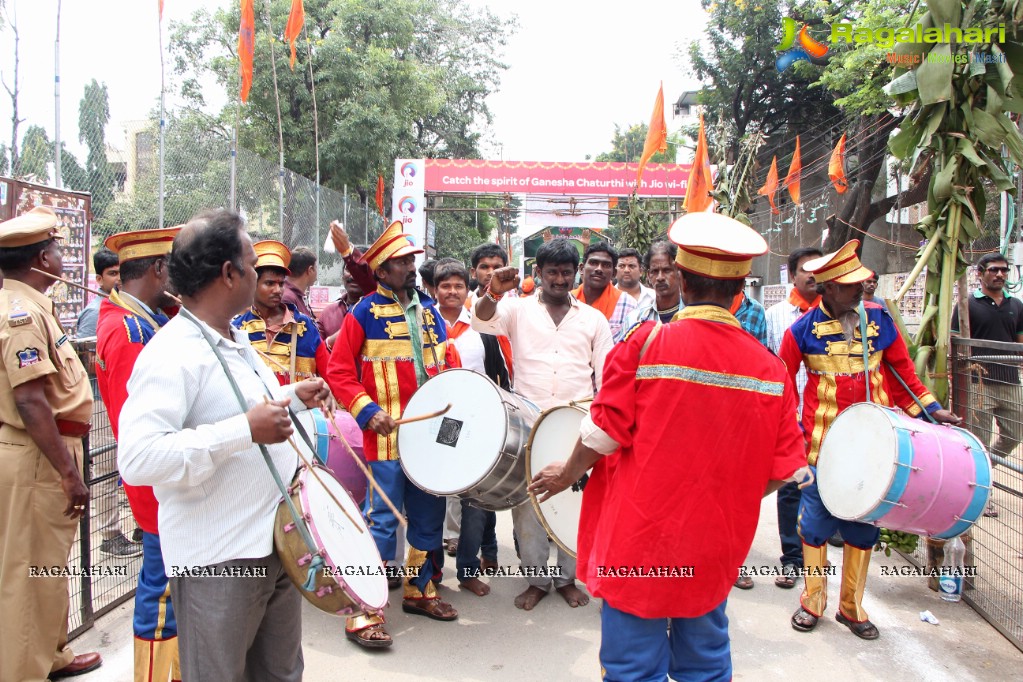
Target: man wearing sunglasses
(995,315)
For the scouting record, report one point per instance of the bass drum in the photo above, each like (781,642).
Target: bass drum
(331,452)
(476,450)
(552,440)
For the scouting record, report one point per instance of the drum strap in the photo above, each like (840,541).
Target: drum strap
(303,530)
(865,346)
(913,395)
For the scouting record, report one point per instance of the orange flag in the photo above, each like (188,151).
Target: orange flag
(792,179)
(295,22)
(836,167)
(699,185)
(161,9)
(656,134)
(380,195)
(246,46)
(771,186)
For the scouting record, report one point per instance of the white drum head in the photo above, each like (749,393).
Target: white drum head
(355,556)
(552,440)
(449,454)
(856,463)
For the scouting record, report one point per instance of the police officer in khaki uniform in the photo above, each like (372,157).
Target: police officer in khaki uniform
(45,406)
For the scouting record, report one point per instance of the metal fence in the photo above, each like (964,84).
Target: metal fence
(109,516)
(986,392)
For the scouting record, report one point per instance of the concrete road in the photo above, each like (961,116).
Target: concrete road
(494,641)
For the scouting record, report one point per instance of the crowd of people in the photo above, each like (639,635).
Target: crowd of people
(702,404)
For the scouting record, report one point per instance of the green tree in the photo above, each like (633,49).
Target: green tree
(93,116)
(406,78)
(627,146)
(73,175)
(36,153)
(744,87)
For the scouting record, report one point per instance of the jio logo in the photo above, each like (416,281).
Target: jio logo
(407,205)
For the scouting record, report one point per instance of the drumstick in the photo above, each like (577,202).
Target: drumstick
(362,465)
(291,441)
(409,420)
(74,284)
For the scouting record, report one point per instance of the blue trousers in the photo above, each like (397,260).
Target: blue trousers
(816,524)
(425,513)
(634,649)
(478,533)
(154,613)
(788,515)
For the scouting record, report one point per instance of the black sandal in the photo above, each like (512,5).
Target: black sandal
(787,579)
(803,614)
(864,630)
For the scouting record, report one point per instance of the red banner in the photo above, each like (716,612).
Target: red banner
(540,177)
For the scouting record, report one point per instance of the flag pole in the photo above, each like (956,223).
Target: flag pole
(163,126)
(316,127)
(280,129)
(58,180)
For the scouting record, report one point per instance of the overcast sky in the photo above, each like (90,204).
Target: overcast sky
(575,68)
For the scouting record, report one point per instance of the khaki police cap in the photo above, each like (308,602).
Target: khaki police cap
(33,227)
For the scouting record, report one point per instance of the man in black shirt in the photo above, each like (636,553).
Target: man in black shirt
(996,316)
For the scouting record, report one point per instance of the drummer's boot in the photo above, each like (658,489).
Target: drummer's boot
(157,660)
(855,562)
(814,598)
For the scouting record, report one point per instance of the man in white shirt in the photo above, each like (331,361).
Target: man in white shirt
(184,432)
(628,271)
(780,317)
(559,345)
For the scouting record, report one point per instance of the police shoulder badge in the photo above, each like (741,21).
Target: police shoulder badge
(29,356)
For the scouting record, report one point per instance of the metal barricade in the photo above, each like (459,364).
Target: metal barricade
(106,580)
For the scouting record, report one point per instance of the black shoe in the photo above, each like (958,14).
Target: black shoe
(121,547)
(836,540)
(136,535)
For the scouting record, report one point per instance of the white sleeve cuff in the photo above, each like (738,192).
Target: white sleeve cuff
(593,437)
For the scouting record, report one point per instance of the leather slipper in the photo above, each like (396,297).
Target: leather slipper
(429,612)
(803,613)
(864,630)
(356,636)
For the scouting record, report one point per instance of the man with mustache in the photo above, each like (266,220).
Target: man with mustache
(995,315)
(559,348)
(780,317)
(662,273)
(828,340)
(287,340)
(599,263)
(390,343)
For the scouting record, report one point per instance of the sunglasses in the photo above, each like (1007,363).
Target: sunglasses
(997,270)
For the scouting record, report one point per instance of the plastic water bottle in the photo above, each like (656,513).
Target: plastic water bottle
(950,581)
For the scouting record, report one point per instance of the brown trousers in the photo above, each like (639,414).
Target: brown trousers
(34,535)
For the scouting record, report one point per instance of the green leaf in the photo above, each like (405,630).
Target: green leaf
(988,129)
(906,140)
(945,11)
(1003,70)
(941,185)
(934,78)
(965,148)
(934,121)
(1012,137)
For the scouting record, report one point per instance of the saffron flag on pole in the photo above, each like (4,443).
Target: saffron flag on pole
(380,195)
(656,134)
(246,46)
(295,22)
(771,185)
(792,179)
(160,2)
(699,186)
(836,167)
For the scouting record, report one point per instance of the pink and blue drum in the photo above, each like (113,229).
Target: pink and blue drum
(331,452)
(881,467)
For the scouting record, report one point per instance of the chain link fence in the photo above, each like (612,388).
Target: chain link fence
(204,168)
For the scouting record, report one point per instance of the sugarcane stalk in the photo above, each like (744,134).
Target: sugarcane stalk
(921,263)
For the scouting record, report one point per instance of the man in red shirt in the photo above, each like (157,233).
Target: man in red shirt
(127,321)
(675,554)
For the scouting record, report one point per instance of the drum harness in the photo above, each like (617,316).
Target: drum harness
(317,560)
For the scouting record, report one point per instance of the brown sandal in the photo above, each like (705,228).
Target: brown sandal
(744,582)
(863,630)
(431,608)
(364,637)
